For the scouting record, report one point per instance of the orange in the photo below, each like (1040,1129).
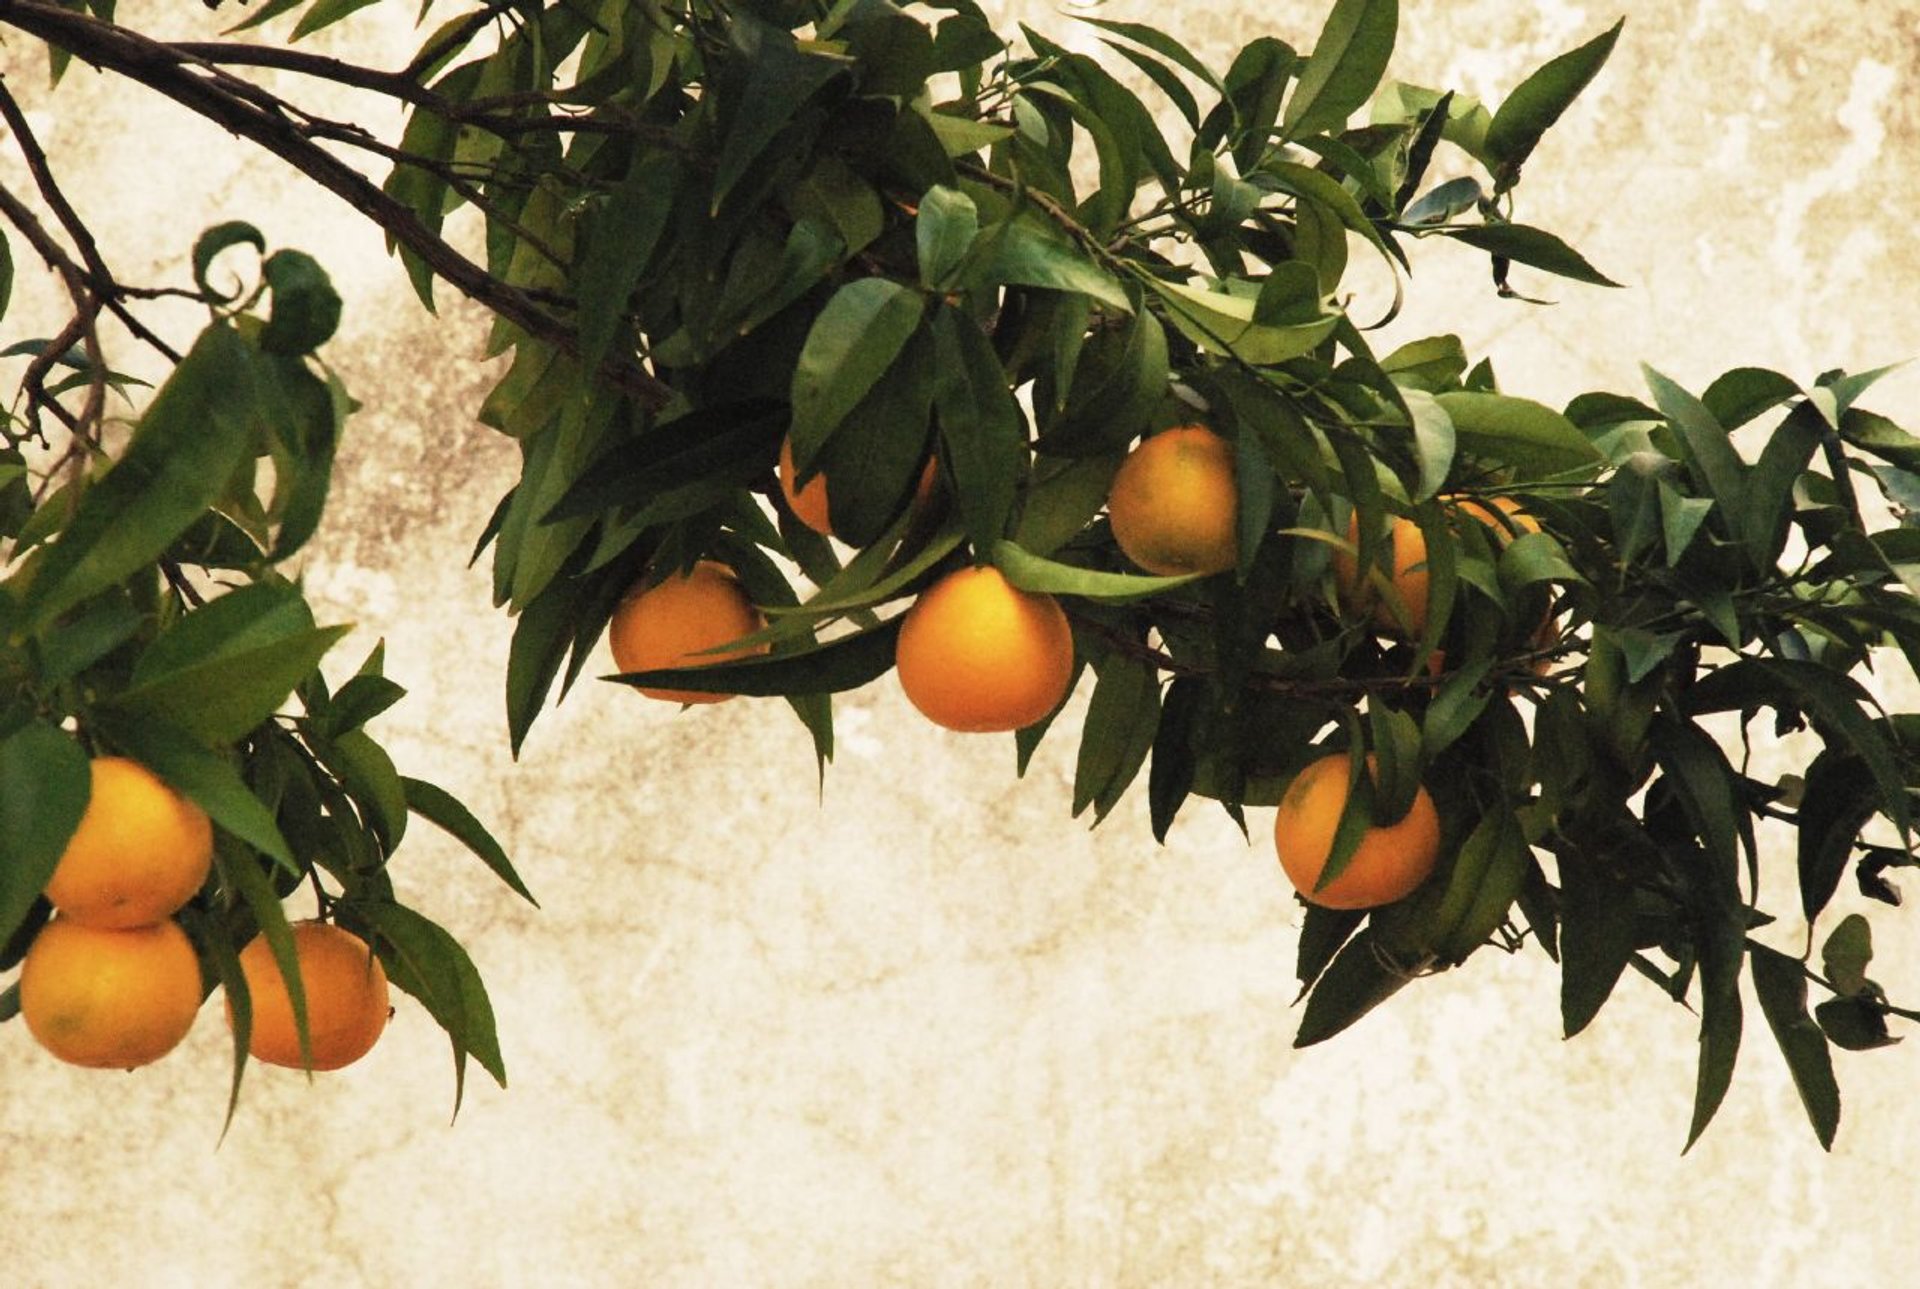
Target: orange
(1403,561)
(809,501)
(346,989)
(109,998)
(978,654)
(140,852)
(1390,861)
(1510,523)
(1174,505)
(673,623)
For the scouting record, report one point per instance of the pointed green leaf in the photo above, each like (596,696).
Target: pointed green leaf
(1782,989)
(1031,572)
(1122,717)
(44,786)
(1531,246)
(423,960)
(851,344)
(1345,66)
(1518,432)
(443,810)
(195,432)
(1358,980)
(1537,102)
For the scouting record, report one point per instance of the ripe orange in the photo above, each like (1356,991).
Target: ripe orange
(346,989)
(809,501)
(140,852)
(978,654)
(1405,560)
(1391,860)
(109,998)
(1404,563)
(673,623)
(1511,522)
(1173,504)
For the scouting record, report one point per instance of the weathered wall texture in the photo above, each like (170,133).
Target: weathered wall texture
(924,1028)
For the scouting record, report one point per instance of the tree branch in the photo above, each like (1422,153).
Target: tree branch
(163,68)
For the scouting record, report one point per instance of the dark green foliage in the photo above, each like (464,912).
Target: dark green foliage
(781,220)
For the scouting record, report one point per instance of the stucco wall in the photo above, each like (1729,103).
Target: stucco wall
(922,1027)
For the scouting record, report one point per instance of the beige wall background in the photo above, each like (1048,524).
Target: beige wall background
(921,1027)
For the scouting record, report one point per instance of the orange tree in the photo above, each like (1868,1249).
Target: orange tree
(864,236)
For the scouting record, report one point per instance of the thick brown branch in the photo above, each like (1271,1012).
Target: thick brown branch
(160,68)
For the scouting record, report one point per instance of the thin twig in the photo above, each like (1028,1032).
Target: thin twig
(159,67)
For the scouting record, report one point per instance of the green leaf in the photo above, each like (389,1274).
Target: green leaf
(442,809)
(1738,396)
(368,774)
(963,136)
(943,231)
(45,782)
(1782,989)
(423,960)
(225,667)
(1488,871)
(893,52)
(1432,365)
(1031,572)
(239,873)
(1117,384)
(983,432)
(195,433)
(306,308)
(1596,936)
(1322,932)
(6,274)
(1358,980)
(1345,66)
(1518,432)
(1025,252)
(1680,520)
(324,14)
(1531,246)
(1537,102)
(1839,798)
(1171,774)
(1225,324)
(879,449)
(86,637)
(1705,447)
(839,665)
(541,635)
(1858,1024)
(1160,43)
(1833,701)
(1720,1022)
(851,344)
(530,550)
(359,701)
(780,78)
(621,242)
(207,247)
(1847,953)
(1122,717)
(1434,442)
(1066,493)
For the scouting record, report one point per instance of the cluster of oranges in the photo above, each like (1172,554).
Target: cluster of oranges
(976,653)
(113,982)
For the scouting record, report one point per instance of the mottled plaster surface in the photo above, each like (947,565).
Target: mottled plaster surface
(921,1027)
